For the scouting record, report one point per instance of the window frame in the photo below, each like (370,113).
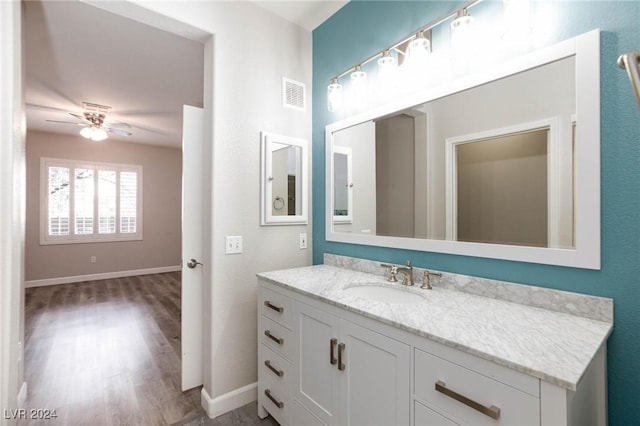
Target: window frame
(96,236)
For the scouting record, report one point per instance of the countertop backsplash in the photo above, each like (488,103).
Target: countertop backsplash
(582,305)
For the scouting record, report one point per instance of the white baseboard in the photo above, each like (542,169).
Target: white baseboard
(22,396)
(102,276)
(229,401)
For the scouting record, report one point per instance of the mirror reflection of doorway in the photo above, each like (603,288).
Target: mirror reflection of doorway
(502,189)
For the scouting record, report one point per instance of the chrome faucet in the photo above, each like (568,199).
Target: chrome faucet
(407,272)
(426,279)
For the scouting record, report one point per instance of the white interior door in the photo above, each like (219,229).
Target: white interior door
(192,141)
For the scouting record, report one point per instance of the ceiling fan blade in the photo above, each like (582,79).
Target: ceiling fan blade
(118,131)
(125,125)
(79,117)
(67,122)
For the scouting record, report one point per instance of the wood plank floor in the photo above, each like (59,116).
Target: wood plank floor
(107,352)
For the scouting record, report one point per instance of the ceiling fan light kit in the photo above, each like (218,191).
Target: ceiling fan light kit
(93,123)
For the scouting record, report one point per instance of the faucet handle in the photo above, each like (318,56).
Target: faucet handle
(393,272)
(426,279)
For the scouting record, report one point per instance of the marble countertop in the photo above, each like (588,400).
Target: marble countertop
(552,346)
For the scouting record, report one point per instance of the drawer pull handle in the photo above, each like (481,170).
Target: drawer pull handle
(341,348)
(493,411)
(278,340)
(279,404)
(332,351)
(277,372)
(270,305)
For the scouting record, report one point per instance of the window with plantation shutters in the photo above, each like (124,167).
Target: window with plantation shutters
(89,201)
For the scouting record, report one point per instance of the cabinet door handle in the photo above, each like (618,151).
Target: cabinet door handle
(277,372)
(493,411)
(279,404)
(332,349)
(270,305)
(341,365)
(278,340)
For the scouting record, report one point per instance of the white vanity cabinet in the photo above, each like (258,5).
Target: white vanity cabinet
(345,374)
(320,364)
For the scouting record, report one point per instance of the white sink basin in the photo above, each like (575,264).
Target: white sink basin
(386,293)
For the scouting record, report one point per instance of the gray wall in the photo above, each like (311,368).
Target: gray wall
(162,192)
(502,190)
(395,176)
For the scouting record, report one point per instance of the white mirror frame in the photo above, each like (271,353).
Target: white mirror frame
(266,183)
(586,253)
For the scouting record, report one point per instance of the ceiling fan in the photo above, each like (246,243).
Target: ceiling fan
(93,123)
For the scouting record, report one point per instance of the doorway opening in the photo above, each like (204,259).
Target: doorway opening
(103,319)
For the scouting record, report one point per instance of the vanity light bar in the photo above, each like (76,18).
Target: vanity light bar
(425,31)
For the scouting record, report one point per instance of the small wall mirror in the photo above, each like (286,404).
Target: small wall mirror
(284,180)
(501,164)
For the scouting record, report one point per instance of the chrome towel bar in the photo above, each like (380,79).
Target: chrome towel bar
(629,62)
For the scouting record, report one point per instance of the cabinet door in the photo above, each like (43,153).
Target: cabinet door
(316,382)
(375,381)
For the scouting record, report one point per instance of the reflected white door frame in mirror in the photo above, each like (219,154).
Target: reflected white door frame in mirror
(524,163)
(558,86)
(343,179)
(284,180)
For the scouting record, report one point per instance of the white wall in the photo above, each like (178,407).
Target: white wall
(249,52)
(11,207)
(252,51)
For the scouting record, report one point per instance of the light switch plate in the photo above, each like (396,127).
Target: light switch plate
(303,241)
(233,244)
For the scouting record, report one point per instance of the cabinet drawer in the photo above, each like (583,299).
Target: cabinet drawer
(425,416)
(275,306)
(461,387)
(276,399)
(277,337)
(272,365)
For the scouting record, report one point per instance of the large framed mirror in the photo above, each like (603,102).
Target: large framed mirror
(501,164)
(284,186)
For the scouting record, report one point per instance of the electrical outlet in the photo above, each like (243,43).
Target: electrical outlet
(93,259)
(303,241)
(233,244)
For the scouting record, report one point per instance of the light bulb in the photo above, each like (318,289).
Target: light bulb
(416,66)
(334,96)
(463,43)
(386,62)
(462,32)
(86,132)
(99,134)
(418,50)
(387,75)
(359,88)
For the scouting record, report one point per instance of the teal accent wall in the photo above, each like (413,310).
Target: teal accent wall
(362,27)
